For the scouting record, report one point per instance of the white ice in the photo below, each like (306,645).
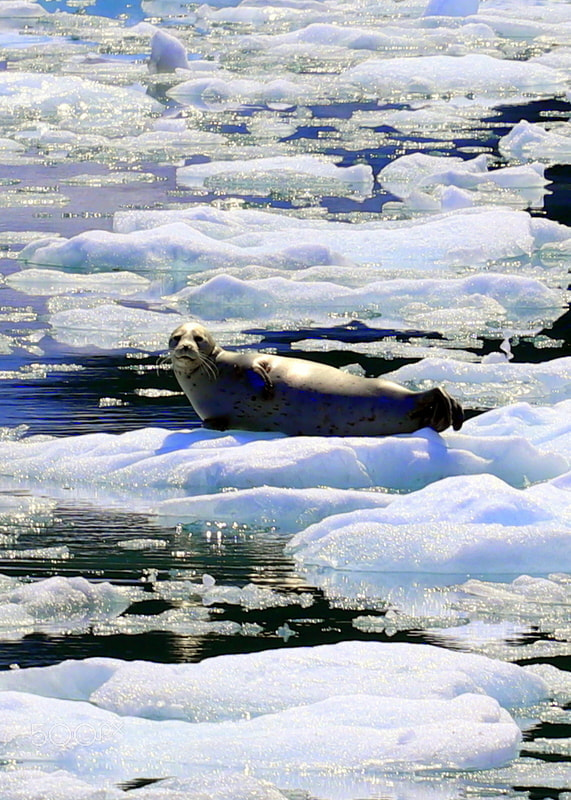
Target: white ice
(464,524)
(419,178)
(167,53)
(472,73)
(143,466)
(245,686)
(58,604)
(63,101)
(424,303)
(281,174)
(190,244)
(491,383)
(528,141)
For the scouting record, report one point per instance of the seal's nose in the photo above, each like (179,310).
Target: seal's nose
(185,349)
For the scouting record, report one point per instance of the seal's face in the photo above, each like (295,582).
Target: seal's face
(190,347)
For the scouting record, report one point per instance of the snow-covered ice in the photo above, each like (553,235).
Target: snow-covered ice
(154,462)
(457,525)
(186,244)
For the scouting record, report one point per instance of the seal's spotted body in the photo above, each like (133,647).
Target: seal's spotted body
(295,396)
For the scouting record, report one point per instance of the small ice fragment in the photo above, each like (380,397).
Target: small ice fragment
(167,53)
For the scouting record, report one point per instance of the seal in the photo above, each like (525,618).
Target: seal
(261,392)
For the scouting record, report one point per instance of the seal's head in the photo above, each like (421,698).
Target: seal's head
(191,348)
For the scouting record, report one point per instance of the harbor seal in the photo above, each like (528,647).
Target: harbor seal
(263,392)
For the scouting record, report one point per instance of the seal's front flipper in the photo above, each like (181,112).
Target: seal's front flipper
(216,423)
(261,370)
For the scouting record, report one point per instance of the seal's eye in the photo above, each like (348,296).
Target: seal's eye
(173,341)
(198,338)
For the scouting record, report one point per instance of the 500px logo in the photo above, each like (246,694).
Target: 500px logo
(60,734)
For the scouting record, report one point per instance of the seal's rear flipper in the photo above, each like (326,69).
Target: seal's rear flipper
(438,410)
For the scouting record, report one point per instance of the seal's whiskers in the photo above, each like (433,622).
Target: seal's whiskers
(209,366)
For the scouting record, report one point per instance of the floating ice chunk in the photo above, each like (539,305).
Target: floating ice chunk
(177,247)
(25,513)
(167,53)
(186,621)
(21,9)
(327,35)
(145,466)
(289,509)
(211,785)
(306,173)
(61,143)
(409,706)
(109,178)
(34,372)
(110,327)
(391,78)
(164,144)
(525,587)
(441,118)
(490,296)
(219,92)
(156,144)
(558,58)
(237,686)
(58,603)
(448,240)
(59,784)
(542,427)
(56,553)
(470,732)
(521,23)
(33,784)
(253,597)
(421,171)
(143,544)
(74,103)
(50,282)
(498,615)
(452,8)
(464,524)
(251,14)
(11,146)
(528,141)
(453,198)
(491,383)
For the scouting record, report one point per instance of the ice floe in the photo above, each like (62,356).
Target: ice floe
(167,53)
(286,175)
(290,509)
(450,306)
(445,241)
(492,383)
(58,604)
(474,73)
(459,525)
(141,466)
(420,179)
(63,101)
(252,685)
(528,141)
